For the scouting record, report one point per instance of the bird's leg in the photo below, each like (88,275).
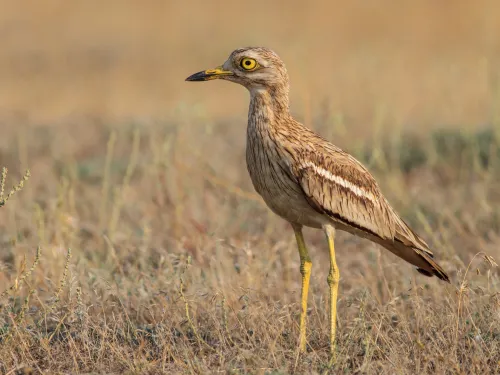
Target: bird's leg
(305,270)
(333,283)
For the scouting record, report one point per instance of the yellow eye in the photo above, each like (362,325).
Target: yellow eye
(248,64)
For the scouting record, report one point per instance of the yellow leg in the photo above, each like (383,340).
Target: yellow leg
(333,282)
(305,270)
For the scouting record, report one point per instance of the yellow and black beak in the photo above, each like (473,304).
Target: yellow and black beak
(207,75)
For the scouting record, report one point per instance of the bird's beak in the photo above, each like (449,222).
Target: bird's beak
(207,75)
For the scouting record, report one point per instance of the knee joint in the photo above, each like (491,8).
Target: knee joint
(333,278)
(305,267)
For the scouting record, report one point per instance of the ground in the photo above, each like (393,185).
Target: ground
(176,265)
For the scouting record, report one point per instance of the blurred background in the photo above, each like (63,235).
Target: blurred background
(425,62)
(177,265)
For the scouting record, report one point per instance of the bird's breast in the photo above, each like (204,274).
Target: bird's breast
(271,176)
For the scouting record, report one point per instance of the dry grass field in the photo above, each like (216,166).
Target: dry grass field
(156,256)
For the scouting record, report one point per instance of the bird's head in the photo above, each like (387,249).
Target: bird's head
(256,68)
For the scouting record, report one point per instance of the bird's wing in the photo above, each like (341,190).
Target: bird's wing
(336,184)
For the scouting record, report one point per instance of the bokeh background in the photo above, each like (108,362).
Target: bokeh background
(427,62)
(176,265)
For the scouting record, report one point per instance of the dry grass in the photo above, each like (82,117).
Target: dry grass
(176,265)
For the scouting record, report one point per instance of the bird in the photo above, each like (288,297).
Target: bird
(308,181)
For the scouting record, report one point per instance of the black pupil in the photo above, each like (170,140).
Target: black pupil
(247,62)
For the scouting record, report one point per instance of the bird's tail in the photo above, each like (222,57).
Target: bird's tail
(410,247)
(423,260)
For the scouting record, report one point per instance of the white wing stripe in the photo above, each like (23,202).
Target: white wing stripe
(360,192)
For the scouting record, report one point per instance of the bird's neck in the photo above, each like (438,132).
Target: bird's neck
(268,107)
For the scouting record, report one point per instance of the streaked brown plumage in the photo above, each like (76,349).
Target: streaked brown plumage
(307,180)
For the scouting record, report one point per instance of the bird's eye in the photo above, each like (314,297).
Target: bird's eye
(248,64)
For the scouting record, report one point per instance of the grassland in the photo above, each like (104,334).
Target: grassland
(155,255)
